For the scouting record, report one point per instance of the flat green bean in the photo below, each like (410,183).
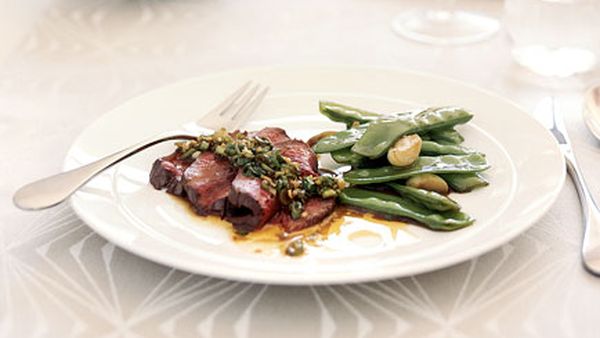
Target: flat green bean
(465,182)
(381,134)
(434,148)
(340,140)
(428,148)
(446,164)
(429,199)
(396,205)
(346,114)
(446,136)
(347,156)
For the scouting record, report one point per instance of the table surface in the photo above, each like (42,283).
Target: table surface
(63,63)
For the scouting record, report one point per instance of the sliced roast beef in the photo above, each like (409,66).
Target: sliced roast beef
(296,150)
(249,206)
(167,173)
(275,135)
(301,153)
(214,186)
(207,183)
(316,209)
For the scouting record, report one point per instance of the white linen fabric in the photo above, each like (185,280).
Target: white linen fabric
(64,63)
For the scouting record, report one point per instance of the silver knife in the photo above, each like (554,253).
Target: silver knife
(548,114)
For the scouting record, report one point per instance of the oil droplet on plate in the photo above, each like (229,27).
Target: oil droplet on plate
(366,238)
(358,232)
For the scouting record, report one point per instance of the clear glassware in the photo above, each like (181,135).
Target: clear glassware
(554,38)
(444,25)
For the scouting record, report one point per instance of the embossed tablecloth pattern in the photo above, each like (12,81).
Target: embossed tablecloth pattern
(64,63)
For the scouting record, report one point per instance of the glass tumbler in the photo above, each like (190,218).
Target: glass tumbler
(557,38)
(444,24)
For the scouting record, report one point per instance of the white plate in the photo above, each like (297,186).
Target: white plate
(526,175)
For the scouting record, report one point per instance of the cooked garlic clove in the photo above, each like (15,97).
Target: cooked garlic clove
(405,151)
(428,182)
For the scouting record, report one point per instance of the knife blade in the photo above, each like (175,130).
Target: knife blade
(548,115)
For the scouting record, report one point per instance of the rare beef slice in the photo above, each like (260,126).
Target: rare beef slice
(207,183)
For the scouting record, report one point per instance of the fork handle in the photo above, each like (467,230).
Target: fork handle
(590,249)
(52,190)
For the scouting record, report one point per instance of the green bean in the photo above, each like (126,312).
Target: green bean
(349,115)
(465,182)
(447,164)
(340,140)
(347,156)
(446,136)
(429,199)
(346,114)
(381,134)
(434,148)
(425,137)
(396,205)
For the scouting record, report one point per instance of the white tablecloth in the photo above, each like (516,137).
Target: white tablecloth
(64,63)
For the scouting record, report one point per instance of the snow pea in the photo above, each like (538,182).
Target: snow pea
(346,114)
(429,199)
(340,140)
(465,182)
(398,206)
(446,136)
(381,134)
(446,164)
(434,148)
(346,156)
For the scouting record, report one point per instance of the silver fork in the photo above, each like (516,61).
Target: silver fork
(50,191)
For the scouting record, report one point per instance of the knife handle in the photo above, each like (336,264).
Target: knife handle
(590,249)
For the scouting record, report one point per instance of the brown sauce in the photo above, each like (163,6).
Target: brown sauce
(345,229)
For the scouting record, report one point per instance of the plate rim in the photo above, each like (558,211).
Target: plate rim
(275,278)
